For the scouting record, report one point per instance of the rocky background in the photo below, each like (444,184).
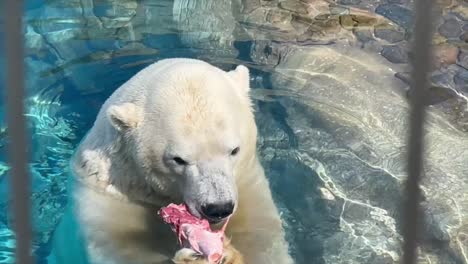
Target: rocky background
(330,83)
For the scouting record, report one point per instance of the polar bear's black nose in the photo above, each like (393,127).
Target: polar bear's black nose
(218,211)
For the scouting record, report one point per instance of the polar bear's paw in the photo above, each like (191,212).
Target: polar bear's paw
(189,256)
(231,255)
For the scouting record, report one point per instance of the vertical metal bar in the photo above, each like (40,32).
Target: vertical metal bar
(17,129)
(421,66)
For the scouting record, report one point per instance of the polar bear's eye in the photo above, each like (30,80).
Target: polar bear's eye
(235,151)
(180,161)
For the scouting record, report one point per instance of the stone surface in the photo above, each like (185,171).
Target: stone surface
(339,10)
(463,59)
(364,35)
(397,14)
(395,54)
(445,54)
(461,10)
(464,37)
(34,42)
(461,80)
(392,35)
(359,19)
(115,14)
(451,28)
(294,6)
(213,32)
(349,2)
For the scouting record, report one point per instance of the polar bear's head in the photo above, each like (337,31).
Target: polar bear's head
(189,134)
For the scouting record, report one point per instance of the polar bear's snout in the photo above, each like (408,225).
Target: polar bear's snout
(210,190)
(218,211)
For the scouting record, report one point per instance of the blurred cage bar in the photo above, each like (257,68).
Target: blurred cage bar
(17,149)
(15,91)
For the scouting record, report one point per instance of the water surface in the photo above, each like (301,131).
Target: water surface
(330,91)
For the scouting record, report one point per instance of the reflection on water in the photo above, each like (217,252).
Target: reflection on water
(330,88)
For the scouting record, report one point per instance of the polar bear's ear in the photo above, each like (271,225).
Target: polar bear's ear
(241,76)
(124,116)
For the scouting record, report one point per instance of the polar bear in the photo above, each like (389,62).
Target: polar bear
(179,131)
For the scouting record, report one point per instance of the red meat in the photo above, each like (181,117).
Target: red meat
(194,232)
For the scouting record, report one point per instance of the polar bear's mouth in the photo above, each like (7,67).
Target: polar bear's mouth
(216,222)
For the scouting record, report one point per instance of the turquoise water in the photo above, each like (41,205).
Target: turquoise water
(330,99)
